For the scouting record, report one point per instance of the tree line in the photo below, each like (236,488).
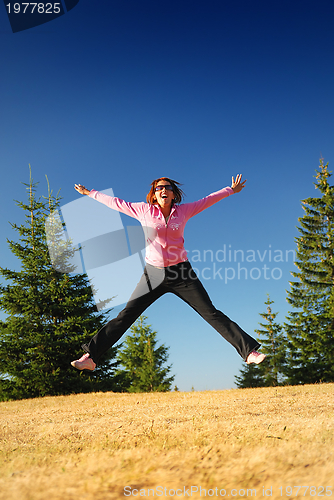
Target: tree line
(301,350)
(50,313)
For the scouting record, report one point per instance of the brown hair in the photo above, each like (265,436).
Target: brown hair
(178,193)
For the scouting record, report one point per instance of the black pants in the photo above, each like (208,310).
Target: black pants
(183,282)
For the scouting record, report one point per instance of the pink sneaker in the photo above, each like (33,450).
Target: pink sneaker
(255,357)
(84,363)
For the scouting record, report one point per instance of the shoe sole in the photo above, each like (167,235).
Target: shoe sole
(256,362)
(73,363)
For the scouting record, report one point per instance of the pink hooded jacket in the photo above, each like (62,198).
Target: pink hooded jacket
(164,240)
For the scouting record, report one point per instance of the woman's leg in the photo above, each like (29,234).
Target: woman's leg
(149,289)
(193,293)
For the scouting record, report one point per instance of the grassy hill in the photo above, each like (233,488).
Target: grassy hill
(238,443)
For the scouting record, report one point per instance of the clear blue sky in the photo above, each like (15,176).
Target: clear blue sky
(116,93)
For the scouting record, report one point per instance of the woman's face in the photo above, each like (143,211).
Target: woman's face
(164,194)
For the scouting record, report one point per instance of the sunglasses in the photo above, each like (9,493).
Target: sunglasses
(168,187)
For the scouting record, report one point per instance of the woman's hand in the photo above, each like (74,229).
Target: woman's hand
(237,185)
(81,189)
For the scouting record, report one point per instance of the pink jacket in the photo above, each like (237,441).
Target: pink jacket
(164,241)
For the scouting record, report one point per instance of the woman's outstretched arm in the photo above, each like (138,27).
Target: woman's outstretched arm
(191,209)
(131,209)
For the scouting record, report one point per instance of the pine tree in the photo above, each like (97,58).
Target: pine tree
(48,316)
(273,344)
(143,361)
(310,326)
(250,376)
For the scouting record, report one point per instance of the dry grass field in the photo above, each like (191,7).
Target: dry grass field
(237,443)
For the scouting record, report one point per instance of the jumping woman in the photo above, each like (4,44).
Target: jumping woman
(167,268)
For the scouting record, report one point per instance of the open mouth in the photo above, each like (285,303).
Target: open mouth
(164,196)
